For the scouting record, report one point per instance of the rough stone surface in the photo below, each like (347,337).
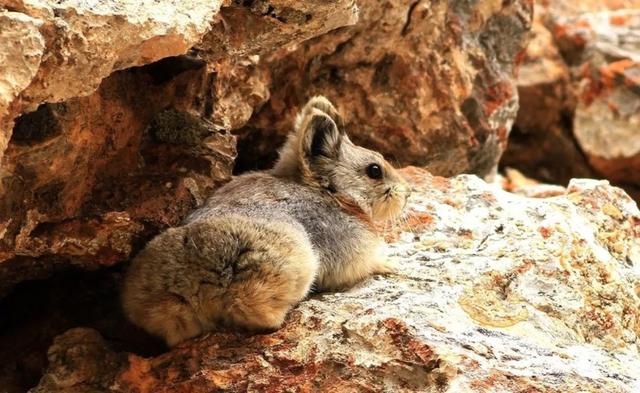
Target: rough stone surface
(514,181)
(580,94)
(86,181)
(607,117)
(494,292)
(254,28)
(71,46)
(79,43)
(246,30)
(541,142)
(424,82)
(21,51)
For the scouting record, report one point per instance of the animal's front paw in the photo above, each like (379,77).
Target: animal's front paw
(385,266)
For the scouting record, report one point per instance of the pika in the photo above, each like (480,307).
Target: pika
(263,241)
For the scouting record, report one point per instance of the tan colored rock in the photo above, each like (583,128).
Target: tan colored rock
(580,102)
(542,143)
(87,179)
(607,117)
(257,27)
(84,42)
(21,50)
(243,32)
(494,292)
(516,182)
(426,83)
(87,41)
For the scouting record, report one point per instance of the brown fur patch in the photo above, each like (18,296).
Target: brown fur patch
(350,207)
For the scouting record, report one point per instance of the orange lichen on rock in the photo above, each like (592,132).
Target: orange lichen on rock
(545,232)
(138,376)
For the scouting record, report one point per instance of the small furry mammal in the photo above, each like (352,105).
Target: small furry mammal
(261,242)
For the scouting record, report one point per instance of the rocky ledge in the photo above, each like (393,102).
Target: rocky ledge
(495,292)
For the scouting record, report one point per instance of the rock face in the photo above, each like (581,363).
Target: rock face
(494,292)
(580,95)
(69,47)
(88,179)
(100,160)
(542,142)
(607,117)
(426,83)
(57,50)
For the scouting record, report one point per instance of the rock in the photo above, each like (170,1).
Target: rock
(580,95)
(425,83)
(87,180)
(607,117)
(20,56)
(514,181)
(72,46)
(257,27)
(541,142)
(99,161)
(494,292)
(73,368)
(69,47)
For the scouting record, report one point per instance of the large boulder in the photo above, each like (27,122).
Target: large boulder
(425,83)
(494,293)
(580,95)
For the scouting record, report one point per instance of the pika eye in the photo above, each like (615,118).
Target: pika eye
(374,171)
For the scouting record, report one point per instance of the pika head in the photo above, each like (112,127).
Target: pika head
(319,153)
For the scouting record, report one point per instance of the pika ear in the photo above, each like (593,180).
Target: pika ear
(322,104)
(320,136)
